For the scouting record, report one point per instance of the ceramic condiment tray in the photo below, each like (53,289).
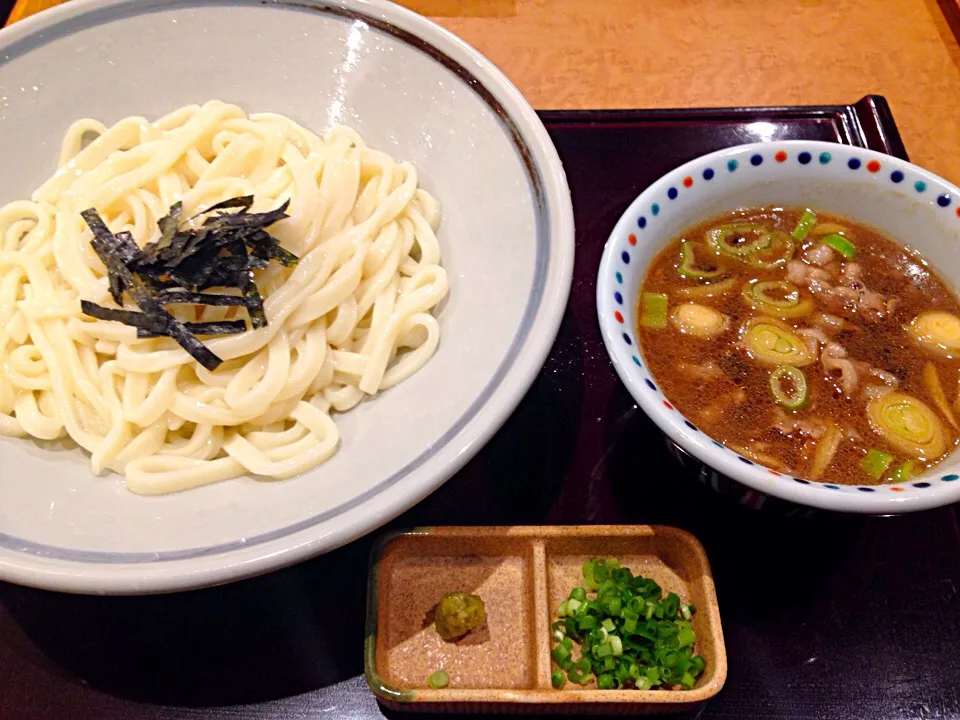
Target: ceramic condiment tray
(522,574)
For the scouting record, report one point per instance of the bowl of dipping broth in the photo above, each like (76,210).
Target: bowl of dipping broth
(784,313)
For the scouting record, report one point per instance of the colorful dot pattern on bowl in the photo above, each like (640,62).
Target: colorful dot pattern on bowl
(803,157)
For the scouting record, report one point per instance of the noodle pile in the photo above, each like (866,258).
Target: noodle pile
(352,318)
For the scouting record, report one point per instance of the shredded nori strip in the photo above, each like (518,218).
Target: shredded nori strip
(121,244)
(263,245)
(141,296)
(172,297)
(223,327)
(97,226)
(245,202)
(169,225)
(139,320)
(149,326)
(127,248)
(116,288)
(247,220)
(221,253)
(255,306)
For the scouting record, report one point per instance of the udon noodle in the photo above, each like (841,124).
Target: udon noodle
(351,319)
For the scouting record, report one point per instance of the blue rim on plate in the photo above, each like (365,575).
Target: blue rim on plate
(540,176)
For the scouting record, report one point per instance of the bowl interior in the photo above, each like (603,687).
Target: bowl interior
(366,65)
(904,202)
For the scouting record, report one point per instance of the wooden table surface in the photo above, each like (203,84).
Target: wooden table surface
(689,53)
(818,624)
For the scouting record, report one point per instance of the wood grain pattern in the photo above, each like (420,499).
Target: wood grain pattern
(741,52)
(463,8)
(432,8)
(23,8)
(951,10)
(673,53)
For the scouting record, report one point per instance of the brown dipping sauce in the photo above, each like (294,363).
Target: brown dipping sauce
(860,308)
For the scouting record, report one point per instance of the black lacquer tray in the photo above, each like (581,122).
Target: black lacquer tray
(826,617)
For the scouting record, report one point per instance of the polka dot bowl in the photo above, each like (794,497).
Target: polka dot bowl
(898,198)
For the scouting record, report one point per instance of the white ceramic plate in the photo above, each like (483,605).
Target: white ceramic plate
(412,90)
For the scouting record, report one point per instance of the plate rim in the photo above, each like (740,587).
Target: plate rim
(145,572)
